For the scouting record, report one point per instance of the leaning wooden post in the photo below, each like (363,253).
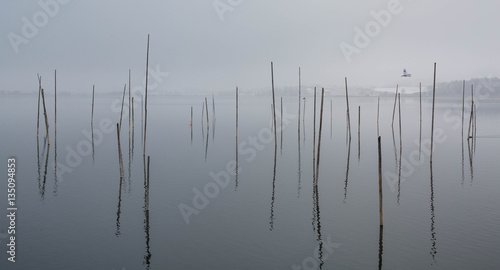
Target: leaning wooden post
(119,150)
(433,102)
(274,107)
(38,117)
(400,138)
(319,133)
(347,101)
(146,102)
(394,109)
(123,101)
(471,110)
(314,129)
(46,119)
(380,183)
(213,109)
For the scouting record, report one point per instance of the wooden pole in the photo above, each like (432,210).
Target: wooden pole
(142,119)
(123,101)
(471,110)
(202,115)
(420,136)
(55,109)
(380,183)
(274,108)
(119,150)
(400,137)
(347,101)
(38,116)
(359,132)
(331,118)
(314,129)
(298,118)
(394,109)
(378,116)
(133,125)
(433,102)
(463,107)
(46,119)
(319,133)
(281,126)
(146,102)
(236,131)
(129,109)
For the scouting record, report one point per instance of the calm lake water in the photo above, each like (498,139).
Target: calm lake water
(268,215)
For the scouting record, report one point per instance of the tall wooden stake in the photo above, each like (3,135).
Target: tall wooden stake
(378,114)
(347,101)
(55,109)
(123,101)
(298,118)
(394,109)
(380,183)
(463,107)
(319,133)
(400,137)
(146,102)
(206,108)
(274,108)
(420,136)
(46,119)
(38,116)
(433,102)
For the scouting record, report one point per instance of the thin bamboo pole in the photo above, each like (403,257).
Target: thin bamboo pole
(314,130)
(331,118)
(147,187)
(378,116)
(142,119)
(55,109)
(46,119)
(38,116)
(129,109)
(420,136)
(463,107)
(119,150)
(380,183)
(146,102)
(433,103)
(471,110)
(213,109)
(394,109)
(347,101)
(274,108)
(400,137)
(123,101)
(298,118)
(319,133)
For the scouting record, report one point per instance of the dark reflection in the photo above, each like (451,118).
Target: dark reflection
(38,164)
(271,219)
(118,212)
(314,136)
(380,246)
(318,227)
(471,163)
(42,190)
(304,119)
(55,167)
(202,126)
(147,255)
(206,145)
(347,169)
(395,151)
(433,217)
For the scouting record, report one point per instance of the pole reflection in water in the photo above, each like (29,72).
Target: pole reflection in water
(399,173)
(318,227)
(42,191)
(380,246)
(147,255)
(271,219)
(347,169)
(118,212)
(299,173)
(433,217)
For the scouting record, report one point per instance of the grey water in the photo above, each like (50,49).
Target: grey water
(72,214)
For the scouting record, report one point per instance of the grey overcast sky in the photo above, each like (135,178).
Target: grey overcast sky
(217,45)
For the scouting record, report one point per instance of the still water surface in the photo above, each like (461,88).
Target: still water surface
(269,216)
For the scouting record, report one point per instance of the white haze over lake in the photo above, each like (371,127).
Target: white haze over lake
(211,46)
